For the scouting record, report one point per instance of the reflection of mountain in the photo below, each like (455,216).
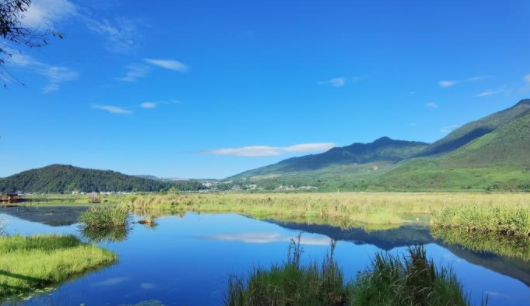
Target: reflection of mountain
(409,235)
(49,215)
(383,239)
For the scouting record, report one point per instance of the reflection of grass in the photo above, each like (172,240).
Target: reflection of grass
(105,234)
(29,263)
(511,246)
(390,281)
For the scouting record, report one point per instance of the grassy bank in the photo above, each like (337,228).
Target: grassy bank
(390,281)
(352,209)
(30,263)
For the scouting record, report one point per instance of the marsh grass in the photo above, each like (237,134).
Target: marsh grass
(30,263)
(105,217)
(391,280)
(508,219)
(394,280)
(291,283)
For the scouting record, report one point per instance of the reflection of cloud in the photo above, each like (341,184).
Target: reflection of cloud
(495,294)
(147,286)
(270,237)
(111,282)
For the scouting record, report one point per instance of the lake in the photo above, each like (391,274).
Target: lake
(186,259)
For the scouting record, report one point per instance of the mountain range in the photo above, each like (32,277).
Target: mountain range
(490,153)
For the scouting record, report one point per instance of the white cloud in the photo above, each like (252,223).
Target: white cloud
(339,82)
(112,109)
(335,82)
(449,83)
(431,105)
(121,33)
(148,105)
(168,64)
(449,128)
(261,151)
(490,92)
(55,74)
(446,83)
(43,12)
(134,72)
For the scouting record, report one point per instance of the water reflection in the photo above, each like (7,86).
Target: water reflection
(187,259)
(105,235)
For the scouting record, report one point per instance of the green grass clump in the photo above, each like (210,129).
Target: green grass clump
(31,263)
(389,281)
(105,217)
(291,284)
(408,280)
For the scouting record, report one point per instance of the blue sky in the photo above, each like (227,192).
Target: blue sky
(207,89)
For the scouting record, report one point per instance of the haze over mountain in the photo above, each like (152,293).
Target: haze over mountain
(64,178)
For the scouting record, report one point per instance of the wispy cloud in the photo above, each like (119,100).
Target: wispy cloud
(45,12)
(54,74)
(339,82)
(112,109)
(490,92)
(121,34)
(134,72)
(449,128)
(168,64)
(431,105)
(262,151)
(148,105)
(57,75)
(137,71)
(450,83)
(267,237)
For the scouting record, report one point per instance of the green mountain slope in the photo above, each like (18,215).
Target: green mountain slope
(380,153)
(63,179)
(476,129)
(499,159)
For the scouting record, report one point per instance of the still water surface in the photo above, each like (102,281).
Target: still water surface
(187,260)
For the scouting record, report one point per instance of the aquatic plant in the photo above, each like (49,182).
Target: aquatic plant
(98,235)
(394,280)
(105,217)
(291,283)
(389,281)
(30,263)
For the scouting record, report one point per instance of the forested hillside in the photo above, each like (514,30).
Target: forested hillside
(66,179)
